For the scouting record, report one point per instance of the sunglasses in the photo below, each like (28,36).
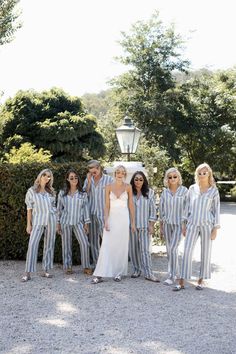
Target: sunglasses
(138,179)
(72,178)
(202,173)
(172,177)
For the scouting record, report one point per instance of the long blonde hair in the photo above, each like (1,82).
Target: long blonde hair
(172,170)
(211,180)
(48,186)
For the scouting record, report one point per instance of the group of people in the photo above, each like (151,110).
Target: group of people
(113,220)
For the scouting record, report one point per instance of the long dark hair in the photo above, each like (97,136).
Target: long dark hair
(145,188)
(67,183)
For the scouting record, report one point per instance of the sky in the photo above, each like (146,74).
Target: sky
(71,44)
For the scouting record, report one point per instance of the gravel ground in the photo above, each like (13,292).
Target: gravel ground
(67,314)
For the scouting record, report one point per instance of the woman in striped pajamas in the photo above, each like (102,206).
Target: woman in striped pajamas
(203,214)
(145,217)
(73,216)
(172,225)
(41,219)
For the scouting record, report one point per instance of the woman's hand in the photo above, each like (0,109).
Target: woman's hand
(133,228)
(151,229)
(213,234)
(107,228)
(59,229)
(86,228)
(29,229)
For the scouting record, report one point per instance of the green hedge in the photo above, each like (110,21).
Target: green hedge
(14,182)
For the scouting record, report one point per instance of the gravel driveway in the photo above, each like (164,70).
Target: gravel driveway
(67,314)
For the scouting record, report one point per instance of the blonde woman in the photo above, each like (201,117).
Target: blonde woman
(41,219)
(172,224)
(203,215)
(113,256)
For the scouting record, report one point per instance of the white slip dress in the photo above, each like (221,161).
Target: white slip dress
(113,255)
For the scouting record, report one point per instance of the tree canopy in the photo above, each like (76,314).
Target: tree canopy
(51,120)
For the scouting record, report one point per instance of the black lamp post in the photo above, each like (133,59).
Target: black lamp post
(128,137)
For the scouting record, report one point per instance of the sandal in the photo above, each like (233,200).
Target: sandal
(96,280)
(47,275)
(117,278)
(69,271)
(25,278)
(199,287)
(178,288)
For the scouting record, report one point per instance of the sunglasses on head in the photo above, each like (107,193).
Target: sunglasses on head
(172,177)
(202,173)
(138,179)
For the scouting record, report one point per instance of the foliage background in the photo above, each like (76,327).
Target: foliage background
(14,181)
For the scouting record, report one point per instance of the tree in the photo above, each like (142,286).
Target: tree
(27,153)
(207,130)
(153,54)
(50,120)
(8,16)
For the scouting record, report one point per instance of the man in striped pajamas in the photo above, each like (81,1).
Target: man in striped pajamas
(172,218)
(73,216)
(94,185)
(203,214)
(145,218)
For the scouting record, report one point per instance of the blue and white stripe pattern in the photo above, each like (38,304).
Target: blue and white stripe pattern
(96,195)
(145,212)
(203,208)
(66,231)
(43,222)
(73,209)
(203,214)
(192,235)
(172,215)
(172,206)
(43,205)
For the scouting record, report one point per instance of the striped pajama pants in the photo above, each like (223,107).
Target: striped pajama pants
(66,238)
(192,234)
(140,256)
(95,235)
(172,234)
(49,232)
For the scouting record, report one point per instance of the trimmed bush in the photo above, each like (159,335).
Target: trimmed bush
(14,182)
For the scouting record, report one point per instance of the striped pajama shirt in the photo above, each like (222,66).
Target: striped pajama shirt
(96,199)
(145,212)
(72,215)
(172,215)
(43,206)
(203,214)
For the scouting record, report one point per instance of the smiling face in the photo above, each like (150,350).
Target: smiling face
(73,179)
(173,179)
(120,174)
(95,172)
(45,178)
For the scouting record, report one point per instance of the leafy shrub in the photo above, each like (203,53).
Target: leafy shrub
(15,179)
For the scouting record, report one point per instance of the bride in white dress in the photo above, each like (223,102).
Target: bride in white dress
(119,216)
